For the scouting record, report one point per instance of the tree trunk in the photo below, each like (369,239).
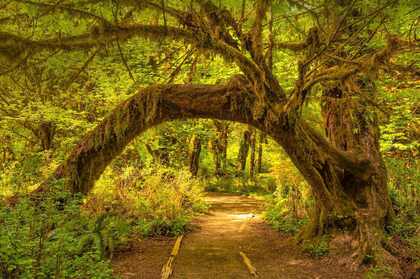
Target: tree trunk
(217,156)
(46,133)
(252,157)
(351,124)
(261,141)
(219,147)
(349,191)
(195,155)
(243,151)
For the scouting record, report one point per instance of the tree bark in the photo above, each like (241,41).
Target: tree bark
(261,141)
(217,156)
(252,144)
(222,128)
(46,133)
(219,147)
(243,152)
(195,151)
(351,124)
(148,108)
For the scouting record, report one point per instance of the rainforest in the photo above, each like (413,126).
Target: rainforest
(209,139)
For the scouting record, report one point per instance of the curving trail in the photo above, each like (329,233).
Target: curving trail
(212,249)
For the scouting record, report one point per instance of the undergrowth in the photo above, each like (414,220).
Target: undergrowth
(316,247)
(30,233)
(285,210)
(156,202)
(67,236)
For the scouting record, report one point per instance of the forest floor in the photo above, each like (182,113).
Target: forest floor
(211,250)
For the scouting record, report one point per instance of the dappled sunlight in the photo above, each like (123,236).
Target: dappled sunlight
(241,217)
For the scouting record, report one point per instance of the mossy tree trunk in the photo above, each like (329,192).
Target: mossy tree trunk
(219,146)
(252,144)
(217,158)
(46,132)
(262,139)
(243,151)
(351,124)
(195,150)
(149,107)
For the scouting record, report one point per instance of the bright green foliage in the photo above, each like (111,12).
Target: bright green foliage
(400,129)
(281,222)
(404,177)
(317,247)
(82,234)
(45,240)
(158,201)
(291,203)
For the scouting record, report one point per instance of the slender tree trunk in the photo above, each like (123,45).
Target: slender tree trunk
(217,156)
(219,146)
(224,135)
(294,197)
(243,151)
(261,141)
(195,155)
(252,157)
(46,133)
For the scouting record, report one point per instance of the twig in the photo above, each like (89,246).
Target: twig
(178,68)
(125,61)
(17,65)
(83,67)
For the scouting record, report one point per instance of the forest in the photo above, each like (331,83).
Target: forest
(209,139)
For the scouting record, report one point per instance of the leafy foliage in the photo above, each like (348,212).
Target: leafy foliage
(44,240)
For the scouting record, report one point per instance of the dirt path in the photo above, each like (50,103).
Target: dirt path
(212,249)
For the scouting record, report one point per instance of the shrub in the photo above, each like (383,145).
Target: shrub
(316,247)
(160,202)
(284,211)
(44,240)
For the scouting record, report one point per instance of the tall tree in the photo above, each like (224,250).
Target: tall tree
(243,151)
(195,150)
(219,146)
(261,140)
(252,143)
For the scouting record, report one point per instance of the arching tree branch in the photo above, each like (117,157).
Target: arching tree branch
(11,42)
(157,104)
(149,107)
